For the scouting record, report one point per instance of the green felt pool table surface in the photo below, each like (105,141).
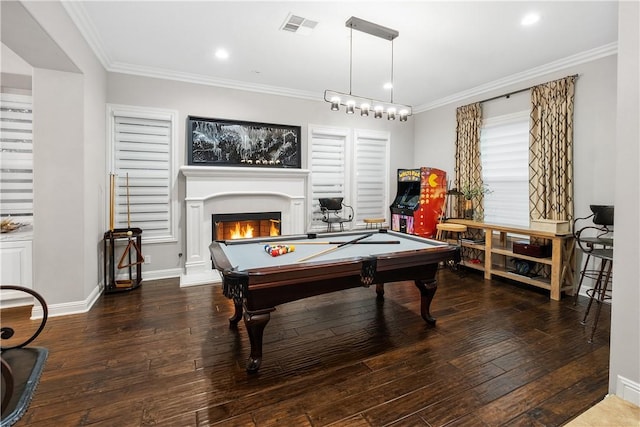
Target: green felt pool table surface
(247,254)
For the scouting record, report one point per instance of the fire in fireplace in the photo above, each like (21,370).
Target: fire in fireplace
(245,225)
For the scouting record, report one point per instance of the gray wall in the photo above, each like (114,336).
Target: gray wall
(215,102)
(625,315)
(594,129)
(69,126)
(59,258)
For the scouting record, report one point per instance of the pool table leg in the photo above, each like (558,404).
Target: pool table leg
(380,291)
(427,290)
(255,323)
(237,315)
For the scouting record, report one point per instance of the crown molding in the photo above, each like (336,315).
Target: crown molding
(569,61)
(78,15)
(210,81)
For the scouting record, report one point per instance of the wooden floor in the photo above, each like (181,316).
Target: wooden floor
(500,354)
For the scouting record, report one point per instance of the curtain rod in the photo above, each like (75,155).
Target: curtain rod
(507,95)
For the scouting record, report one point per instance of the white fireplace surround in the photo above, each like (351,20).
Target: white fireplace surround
(220,190)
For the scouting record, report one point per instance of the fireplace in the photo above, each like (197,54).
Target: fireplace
(245,225)
(227,190)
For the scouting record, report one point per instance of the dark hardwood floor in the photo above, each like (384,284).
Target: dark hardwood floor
(500,354)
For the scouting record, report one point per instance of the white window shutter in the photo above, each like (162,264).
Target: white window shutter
(371,172)
(504,144)
(16,161)
(361,182)
(328,166)
(143,163)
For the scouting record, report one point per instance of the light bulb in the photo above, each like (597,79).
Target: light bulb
(391,113)
(350,106)
(335,103)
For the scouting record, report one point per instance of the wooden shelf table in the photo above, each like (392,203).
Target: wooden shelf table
(561,261)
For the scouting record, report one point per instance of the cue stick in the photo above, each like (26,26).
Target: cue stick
(381,242)
(111,200)
(337,247)
(128,206)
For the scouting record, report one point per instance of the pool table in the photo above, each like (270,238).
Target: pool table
(321,263)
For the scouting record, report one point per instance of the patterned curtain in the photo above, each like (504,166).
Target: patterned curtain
(551,150)
(468,169)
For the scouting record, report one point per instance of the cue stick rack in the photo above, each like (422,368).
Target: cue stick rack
(131,259)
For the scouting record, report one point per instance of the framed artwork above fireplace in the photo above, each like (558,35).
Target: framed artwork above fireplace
(221,142)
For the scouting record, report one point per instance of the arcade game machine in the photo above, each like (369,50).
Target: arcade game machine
(419,201)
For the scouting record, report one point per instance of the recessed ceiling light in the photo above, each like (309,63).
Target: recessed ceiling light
(530,19)
(388,86)
(222,54)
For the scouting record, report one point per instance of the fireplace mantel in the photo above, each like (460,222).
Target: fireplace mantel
(211,189)
(230,172)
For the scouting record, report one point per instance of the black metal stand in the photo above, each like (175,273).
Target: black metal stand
(134,280)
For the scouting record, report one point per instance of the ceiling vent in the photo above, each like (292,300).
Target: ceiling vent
(299,25)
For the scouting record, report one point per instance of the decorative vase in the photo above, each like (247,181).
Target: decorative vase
(468,209)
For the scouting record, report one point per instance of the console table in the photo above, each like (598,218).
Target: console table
(498,250)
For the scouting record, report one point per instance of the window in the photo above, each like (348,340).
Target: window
(143,158)
(361,182)
(328,165)
(16,161)
(370,175)
(504,144)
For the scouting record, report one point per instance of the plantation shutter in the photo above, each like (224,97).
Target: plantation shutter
(504,144)
(371,172)
(328,167)
(142,152)
(16,162)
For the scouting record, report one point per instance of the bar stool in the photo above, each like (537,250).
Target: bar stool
(596,242)
(602,218)
(601,290)
(373,222)
(445,229)
(444,232)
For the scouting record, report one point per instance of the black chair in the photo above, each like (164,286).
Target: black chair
(596,241)
(331,209)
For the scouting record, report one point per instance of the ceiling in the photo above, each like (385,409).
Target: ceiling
(444,50)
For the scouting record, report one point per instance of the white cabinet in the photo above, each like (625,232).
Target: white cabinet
(16,265)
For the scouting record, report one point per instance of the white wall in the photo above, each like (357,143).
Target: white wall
(12,63)
(624,370)
(215,102)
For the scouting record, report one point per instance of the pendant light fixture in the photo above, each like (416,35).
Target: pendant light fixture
(352,102)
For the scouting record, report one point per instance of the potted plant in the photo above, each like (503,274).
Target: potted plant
(470,192)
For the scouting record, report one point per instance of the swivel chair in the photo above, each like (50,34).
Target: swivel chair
(331,209)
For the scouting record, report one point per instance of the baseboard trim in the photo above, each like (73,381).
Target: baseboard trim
(628,390)
(67,308)
(76,307)
(161,274)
